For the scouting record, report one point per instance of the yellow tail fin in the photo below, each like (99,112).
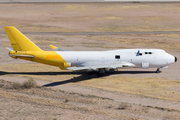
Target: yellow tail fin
(20,42)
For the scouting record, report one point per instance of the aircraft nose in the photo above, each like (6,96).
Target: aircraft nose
(175,59)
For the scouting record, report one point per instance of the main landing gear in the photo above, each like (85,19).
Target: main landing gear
(97,73)
(94,74)
(100,72)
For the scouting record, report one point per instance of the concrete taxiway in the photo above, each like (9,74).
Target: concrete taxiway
(100,33)
(50,1)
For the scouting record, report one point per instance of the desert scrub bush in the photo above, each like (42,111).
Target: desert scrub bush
(16,86)
(145,109)
(3,83)
(123,106)
(31,83)
(110,106)
(66,100)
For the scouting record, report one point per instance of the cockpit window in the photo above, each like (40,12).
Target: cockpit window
(148,52)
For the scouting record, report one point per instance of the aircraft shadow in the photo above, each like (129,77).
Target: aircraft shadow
(133,72)
(38,73)
(68,73)
(83,75)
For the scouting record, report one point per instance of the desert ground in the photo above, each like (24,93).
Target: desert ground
(126,94)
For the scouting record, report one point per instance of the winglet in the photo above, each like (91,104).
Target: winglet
(56,48)
(53,47)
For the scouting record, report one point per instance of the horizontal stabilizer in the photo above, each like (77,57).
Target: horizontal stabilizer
(29,56)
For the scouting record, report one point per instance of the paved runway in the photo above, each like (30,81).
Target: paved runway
(50,1)
(99,33)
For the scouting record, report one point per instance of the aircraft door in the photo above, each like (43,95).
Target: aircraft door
(117,57)
(145,65)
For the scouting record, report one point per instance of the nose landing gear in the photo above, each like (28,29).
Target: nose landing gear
(158,70)
(162,67)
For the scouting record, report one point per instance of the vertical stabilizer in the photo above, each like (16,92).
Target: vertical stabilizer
(20,42)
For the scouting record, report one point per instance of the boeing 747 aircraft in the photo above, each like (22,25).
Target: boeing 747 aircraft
(99,61)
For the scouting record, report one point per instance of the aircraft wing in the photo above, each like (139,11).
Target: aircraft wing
(102,66)
(56,48)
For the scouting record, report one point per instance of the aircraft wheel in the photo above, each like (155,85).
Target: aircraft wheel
(158,71)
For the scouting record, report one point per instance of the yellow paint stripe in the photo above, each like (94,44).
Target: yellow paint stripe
(53,57)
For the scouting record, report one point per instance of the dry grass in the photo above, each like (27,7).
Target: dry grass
(59,99)
(93,17)
(123,106)
(31,83)
(16,86)
(38,71)
(82,103)
(97,46)
(2,36)
(149,87)
(165,44)
(65,96)
(47,40)
(169,36)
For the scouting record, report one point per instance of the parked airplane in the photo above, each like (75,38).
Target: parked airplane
(100,61)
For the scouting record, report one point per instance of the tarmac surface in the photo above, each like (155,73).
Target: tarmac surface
(50,1)
(100,33)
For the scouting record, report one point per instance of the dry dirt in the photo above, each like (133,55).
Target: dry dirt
(125,94)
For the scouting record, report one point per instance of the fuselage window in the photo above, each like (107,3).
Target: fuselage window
(140,54)
(146,52)
(117,56)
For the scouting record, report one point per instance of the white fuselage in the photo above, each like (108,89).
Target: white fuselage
(147,58)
